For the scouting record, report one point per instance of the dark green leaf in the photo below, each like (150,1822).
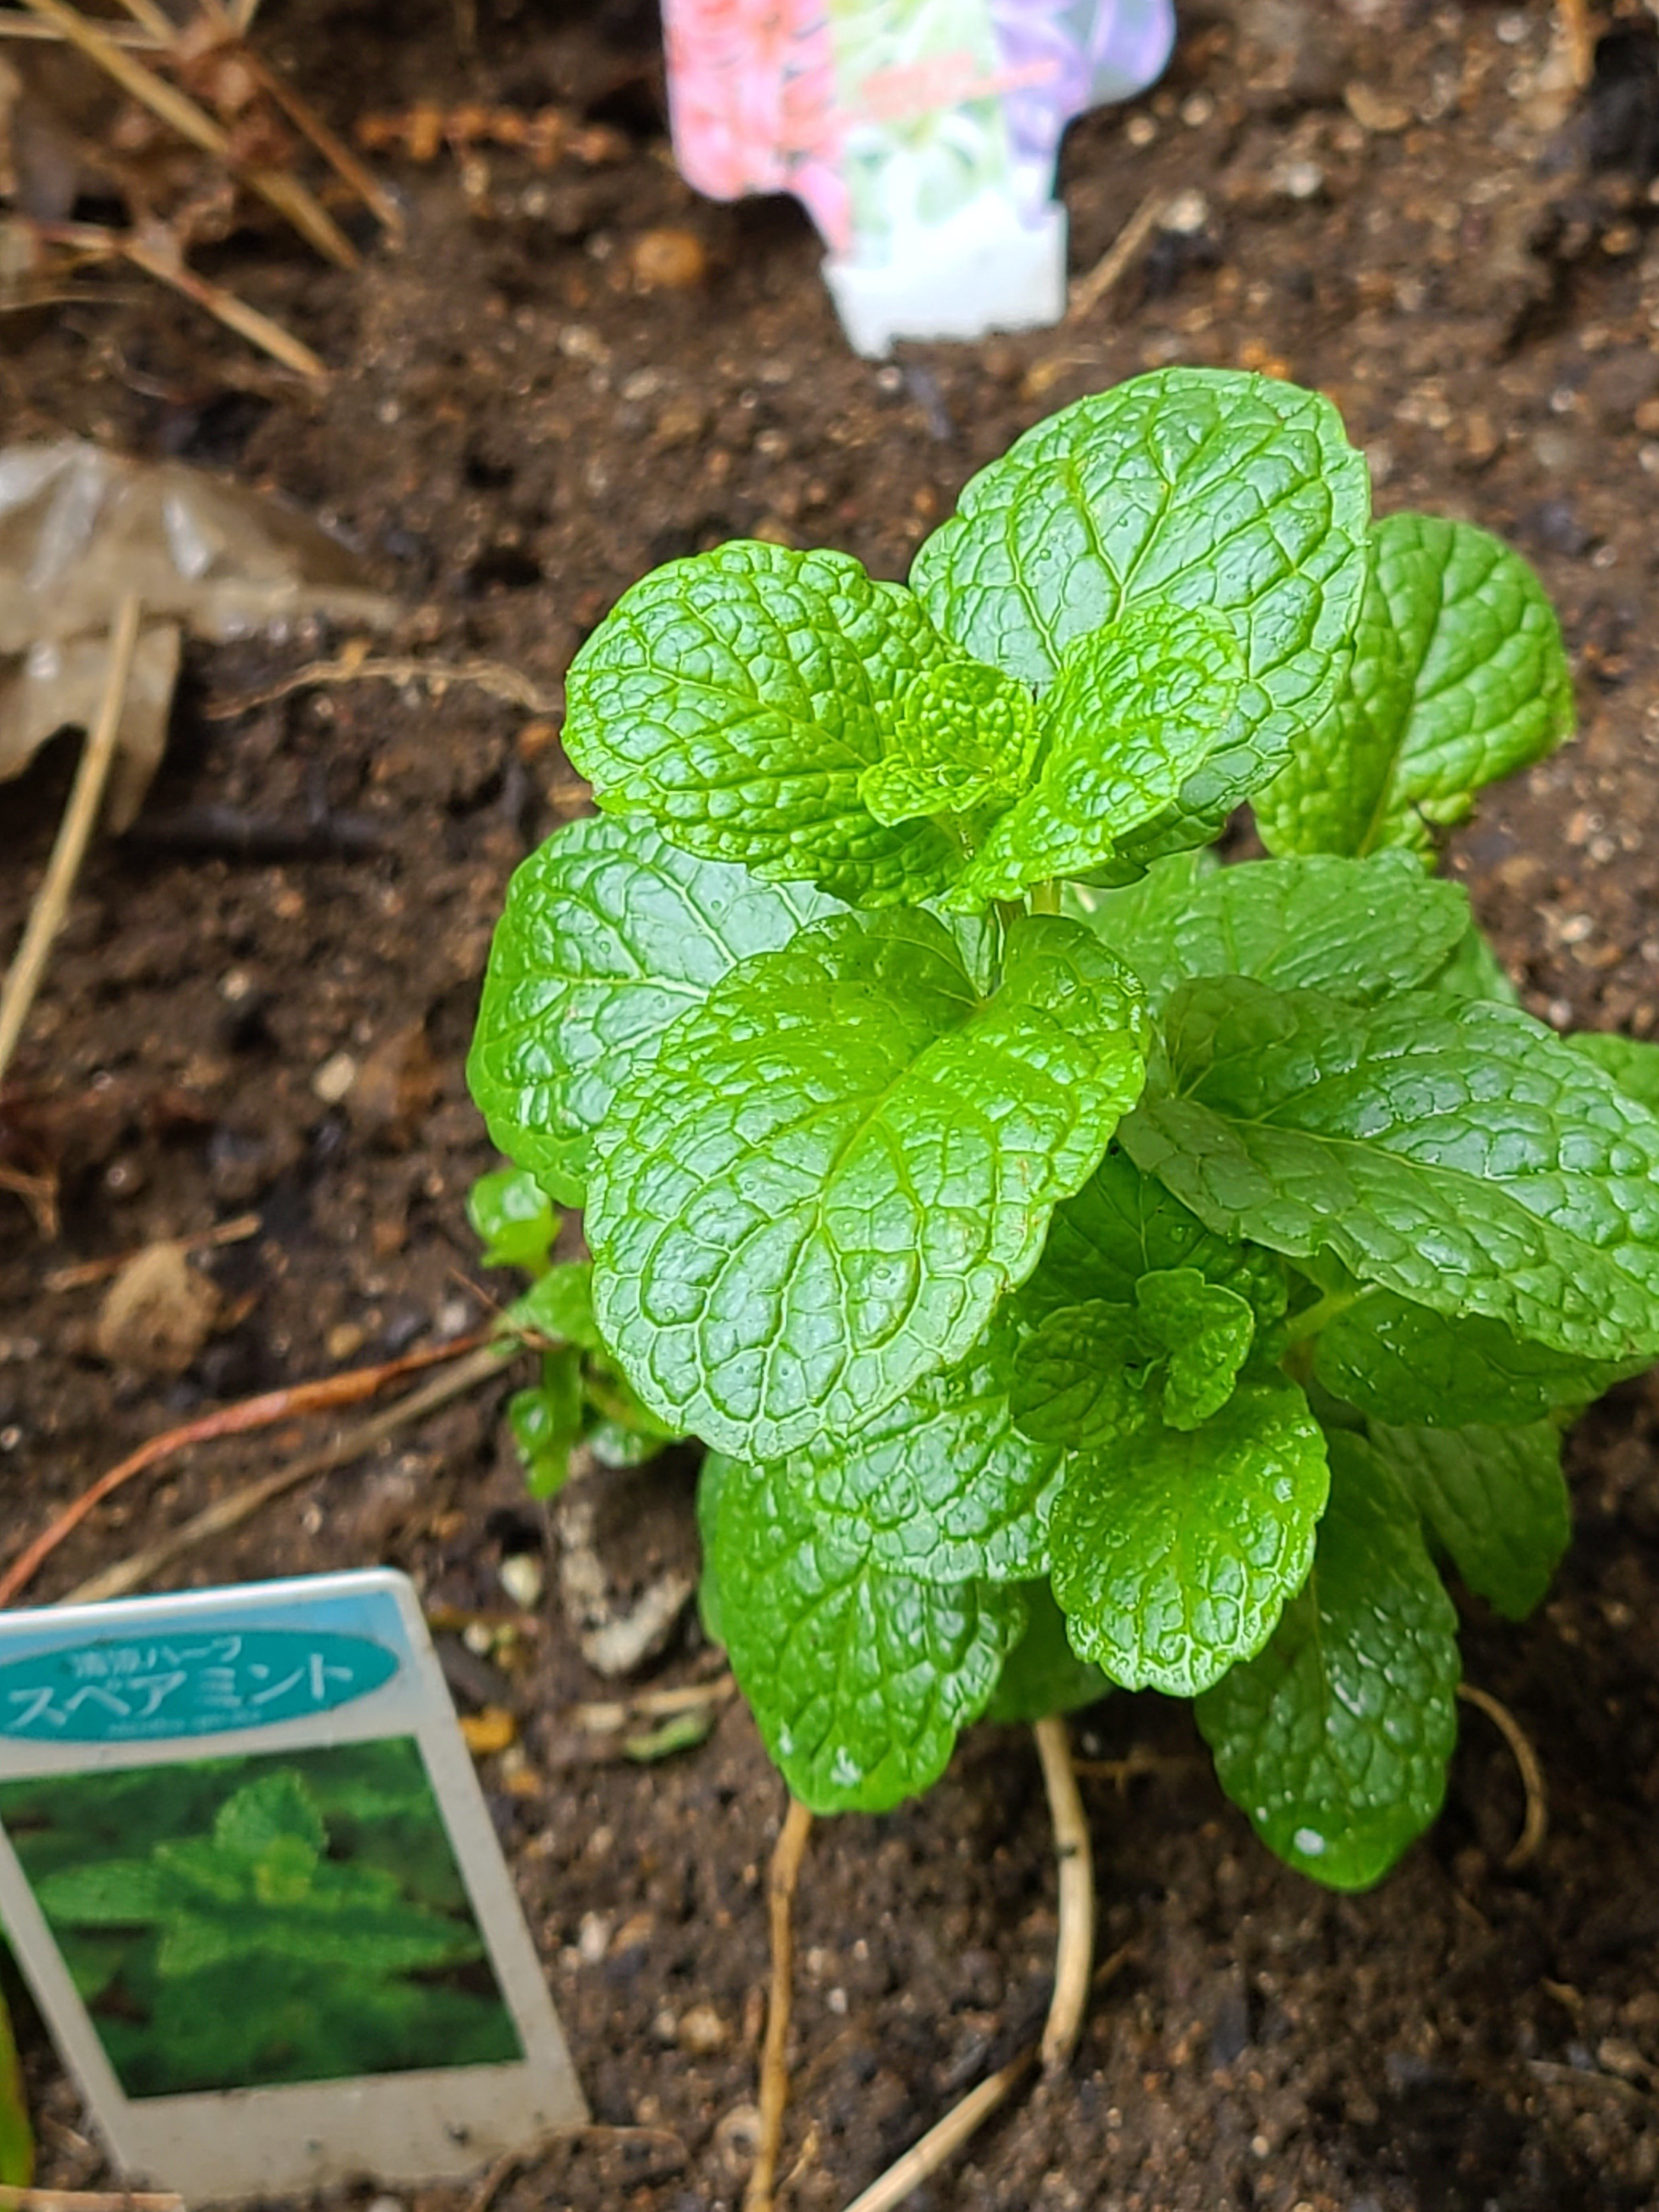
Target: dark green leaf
(1123,1225)
(1452,1150)
(1173,1553)
(1224,492)
(610,934)
(1475,971)
(864,1164)
(1042,1674)
(858,1679)
(1401,1362)
(1334,1740)
(943,1485)
(737,697)
(1459,678)
(1495,1497)
(512,1219)
(1360,930)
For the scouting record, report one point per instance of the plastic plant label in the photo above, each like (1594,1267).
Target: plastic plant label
(248,1870)
(920,135)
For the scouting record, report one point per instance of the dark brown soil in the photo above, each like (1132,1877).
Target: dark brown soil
(1398,210)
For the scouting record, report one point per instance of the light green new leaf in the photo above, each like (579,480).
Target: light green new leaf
(1134,712)
(1459,678)
(858,1678)
(1225,492)
(818,1192)
(738,697)
(1174,1553)
(610,934)
(1360,930)
(1123,1225)
(1042,1674)
(1633,1064)
(964,737)
(511,1217)
(1399,1362)
(1495,1497)
(1452,1150)
(1335,1740)
(1081,1378)
(943,1485)
(559,1305)
(546,1422)
(1207,1333)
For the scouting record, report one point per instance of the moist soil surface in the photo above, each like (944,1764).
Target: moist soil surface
(1408,206)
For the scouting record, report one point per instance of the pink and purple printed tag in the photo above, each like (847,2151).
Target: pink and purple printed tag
(920,135)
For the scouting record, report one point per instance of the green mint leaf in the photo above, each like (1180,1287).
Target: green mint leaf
(1134,712)
(1207,1332)
(1123,1225)
(1080,1380)
(1042,1674)
(858,1679)
(1399,1362)
(1224,492)
(1174,1553)
(711,1487)
(1334,1740)
(818,1190)
(560,1305)
(546,1422)
(16,2136)
(1459,678)
(964,737)
(511,1217)
(1633,1065)
(942,1484)
(1473,970)
(609,936)
(1455,1151)
(1360,930)
(1495,1497)
(737,697)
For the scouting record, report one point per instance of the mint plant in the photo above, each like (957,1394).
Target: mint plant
(1086,1263)
(580,1396)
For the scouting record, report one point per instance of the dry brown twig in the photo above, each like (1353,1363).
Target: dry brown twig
(775,2052)
(74,834)
(87,1271)
(357,665)
(1535,1825)
(243,125)
(245,1415)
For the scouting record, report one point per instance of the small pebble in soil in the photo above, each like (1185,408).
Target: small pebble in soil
(702,2032)
(334,1078)
(668,260)
(520,1576)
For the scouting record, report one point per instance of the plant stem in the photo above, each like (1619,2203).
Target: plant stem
(1321,1314)
(774,2053)
(1075,1949)
(1045,897)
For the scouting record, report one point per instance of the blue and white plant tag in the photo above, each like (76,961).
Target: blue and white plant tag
(248,1870)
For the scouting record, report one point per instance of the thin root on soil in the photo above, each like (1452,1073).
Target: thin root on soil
(1535,1826)
(775,2052)
(1076,1948)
